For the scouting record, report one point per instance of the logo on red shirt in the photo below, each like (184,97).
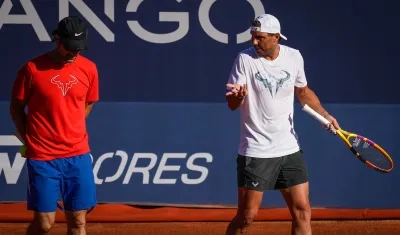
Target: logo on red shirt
(66,85)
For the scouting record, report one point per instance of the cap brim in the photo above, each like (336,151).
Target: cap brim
(75,45)
(259,29)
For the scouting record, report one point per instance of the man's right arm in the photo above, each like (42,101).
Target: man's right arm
(21,92)
(18,115)
(237,76)
(93,92)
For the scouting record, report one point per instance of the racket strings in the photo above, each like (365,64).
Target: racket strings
(369,152)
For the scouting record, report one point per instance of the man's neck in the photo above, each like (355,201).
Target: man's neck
(57,57)
(273,53)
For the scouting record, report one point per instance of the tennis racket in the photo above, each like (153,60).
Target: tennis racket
(367,151)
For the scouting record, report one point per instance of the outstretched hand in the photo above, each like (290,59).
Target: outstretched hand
(237,90)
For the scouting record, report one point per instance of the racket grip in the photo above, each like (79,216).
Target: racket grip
(316,115)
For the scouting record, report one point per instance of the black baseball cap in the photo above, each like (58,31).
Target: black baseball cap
(73,33)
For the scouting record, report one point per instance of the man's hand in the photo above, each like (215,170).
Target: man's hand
(237,90)
(334,124)
(235,95)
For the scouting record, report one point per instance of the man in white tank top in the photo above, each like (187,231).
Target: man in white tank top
(262,84)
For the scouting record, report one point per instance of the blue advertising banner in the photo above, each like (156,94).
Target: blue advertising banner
(162,132)
(186,154)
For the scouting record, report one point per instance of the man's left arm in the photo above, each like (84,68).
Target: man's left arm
(88,108)
(93,92)
(307,96)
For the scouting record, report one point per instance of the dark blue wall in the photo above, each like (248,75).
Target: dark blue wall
(348,46)
(159,98)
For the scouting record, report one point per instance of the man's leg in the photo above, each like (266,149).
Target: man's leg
(41,224)
(254,176)
(296,198)
(249,201)
(42,194)
(79,192)
(293,181)
(76,222)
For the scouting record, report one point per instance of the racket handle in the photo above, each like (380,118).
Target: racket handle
(316,115)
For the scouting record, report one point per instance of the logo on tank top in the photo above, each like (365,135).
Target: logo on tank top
(267,81)
(65,85)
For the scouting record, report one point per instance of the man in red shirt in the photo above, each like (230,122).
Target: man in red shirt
(59,89)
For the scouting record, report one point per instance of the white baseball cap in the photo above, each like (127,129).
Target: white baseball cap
(267,23)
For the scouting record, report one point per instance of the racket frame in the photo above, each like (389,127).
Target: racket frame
(345,136)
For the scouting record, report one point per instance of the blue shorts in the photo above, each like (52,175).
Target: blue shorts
(73,177)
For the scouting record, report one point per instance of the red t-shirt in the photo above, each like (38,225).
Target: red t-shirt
(56,96)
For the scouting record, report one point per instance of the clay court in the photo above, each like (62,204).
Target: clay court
(218,228)
(119,219)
